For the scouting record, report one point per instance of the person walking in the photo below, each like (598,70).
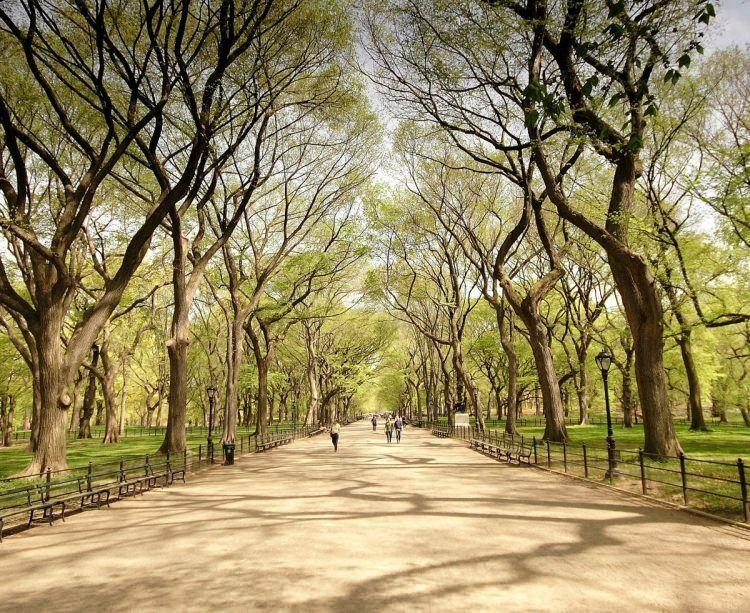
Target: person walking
(374,423)
(388,429)
(335,430)
(398,426)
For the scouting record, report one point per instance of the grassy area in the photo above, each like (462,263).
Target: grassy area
(80,452)
(712,478)
(721,443)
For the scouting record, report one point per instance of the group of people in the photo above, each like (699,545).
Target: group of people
(391,424)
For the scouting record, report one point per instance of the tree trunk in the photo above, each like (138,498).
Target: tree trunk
(695,404)
(745,416)
(236,347)
(50,452)
(582,384)
(111,429)
(89,398)
(507,340)
(312,379)
(552,404)
(645,317)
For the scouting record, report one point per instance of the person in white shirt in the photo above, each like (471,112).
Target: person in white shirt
(335,430)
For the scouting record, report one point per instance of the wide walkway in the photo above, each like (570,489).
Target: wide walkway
(424,525)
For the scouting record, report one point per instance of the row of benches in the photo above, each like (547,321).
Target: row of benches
(92,490)
(271,442)
(510,451)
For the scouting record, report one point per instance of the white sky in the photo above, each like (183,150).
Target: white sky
(732,24)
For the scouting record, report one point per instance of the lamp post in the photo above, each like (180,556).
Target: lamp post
(211,391)
(604,361)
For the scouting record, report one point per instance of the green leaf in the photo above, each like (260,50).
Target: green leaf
(684,61)
(615,99)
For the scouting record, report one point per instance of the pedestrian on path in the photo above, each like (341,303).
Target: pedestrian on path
(335,430)
(398,425)
(374,423)
(388,429)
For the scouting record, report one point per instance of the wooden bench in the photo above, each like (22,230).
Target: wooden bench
(270,443)
(47,498)
(521,452)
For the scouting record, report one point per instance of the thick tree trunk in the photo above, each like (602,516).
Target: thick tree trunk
(50,452)
(745,416)
(552,404)
(507,340)
(645,318)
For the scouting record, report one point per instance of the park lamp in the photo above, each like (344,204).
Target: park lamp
(603,361)
(211,391)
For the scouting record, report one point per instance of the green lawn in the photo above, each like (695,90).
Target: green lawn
(80,452)
(724,443)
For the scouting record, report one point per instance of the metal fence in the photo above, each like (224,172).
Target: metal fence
(116,471)
(143,431)
(708,486)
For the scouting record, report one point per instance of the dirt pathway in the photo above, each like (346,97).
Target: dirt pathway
(424,525)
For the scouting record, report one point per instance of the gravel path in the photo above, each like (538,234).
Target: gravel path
(423,525)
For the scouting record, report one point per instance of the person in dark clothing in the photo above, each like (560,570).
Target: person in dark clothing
(398,426)
(374,423)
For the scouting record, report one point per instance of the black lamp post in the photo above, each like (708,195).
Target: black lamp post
(604,361)
(211,391)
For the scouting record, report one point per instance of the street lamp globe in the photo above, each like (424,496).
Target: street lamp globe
(603,361)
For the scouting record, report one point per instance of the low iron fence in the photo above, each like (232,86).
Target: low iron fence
(89,477)
(593,420)
(711,486)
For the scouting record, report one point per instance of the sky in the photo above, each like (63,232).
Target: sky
(732,24)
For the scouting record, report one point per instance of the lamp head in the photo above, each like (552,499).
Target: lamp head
(603,361)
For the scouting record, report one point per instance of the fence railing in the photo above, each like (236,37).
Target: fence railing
(143,431)
(595,420)
(710,486)
(91,476)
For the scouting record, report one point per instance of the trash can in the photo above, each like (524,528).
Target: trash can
(228,453)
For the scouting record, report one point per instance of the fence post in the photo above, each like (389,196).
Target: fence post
(684,477)
(242,445)
(48,483)
(549,463)
(169,467)
(184,460)
(743,487)
(533,440)
(211,451)
(122,468)
(585,462)
(565,457)
(643,471)
(89,471)
(200,454)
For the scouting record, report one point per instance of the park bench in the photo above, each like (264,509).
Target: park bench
(132,480)
(521,452)
(271,442)
(48,497)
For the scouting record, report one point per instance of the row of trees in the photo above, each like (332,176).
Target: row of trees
(188,200)
(560,167)
(166,165)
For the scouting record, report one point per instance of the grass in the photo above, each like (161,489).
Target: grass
(711,471)
(720,443)
(80,452)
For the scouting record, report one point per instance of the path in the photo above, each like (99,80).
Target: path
(424,525)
